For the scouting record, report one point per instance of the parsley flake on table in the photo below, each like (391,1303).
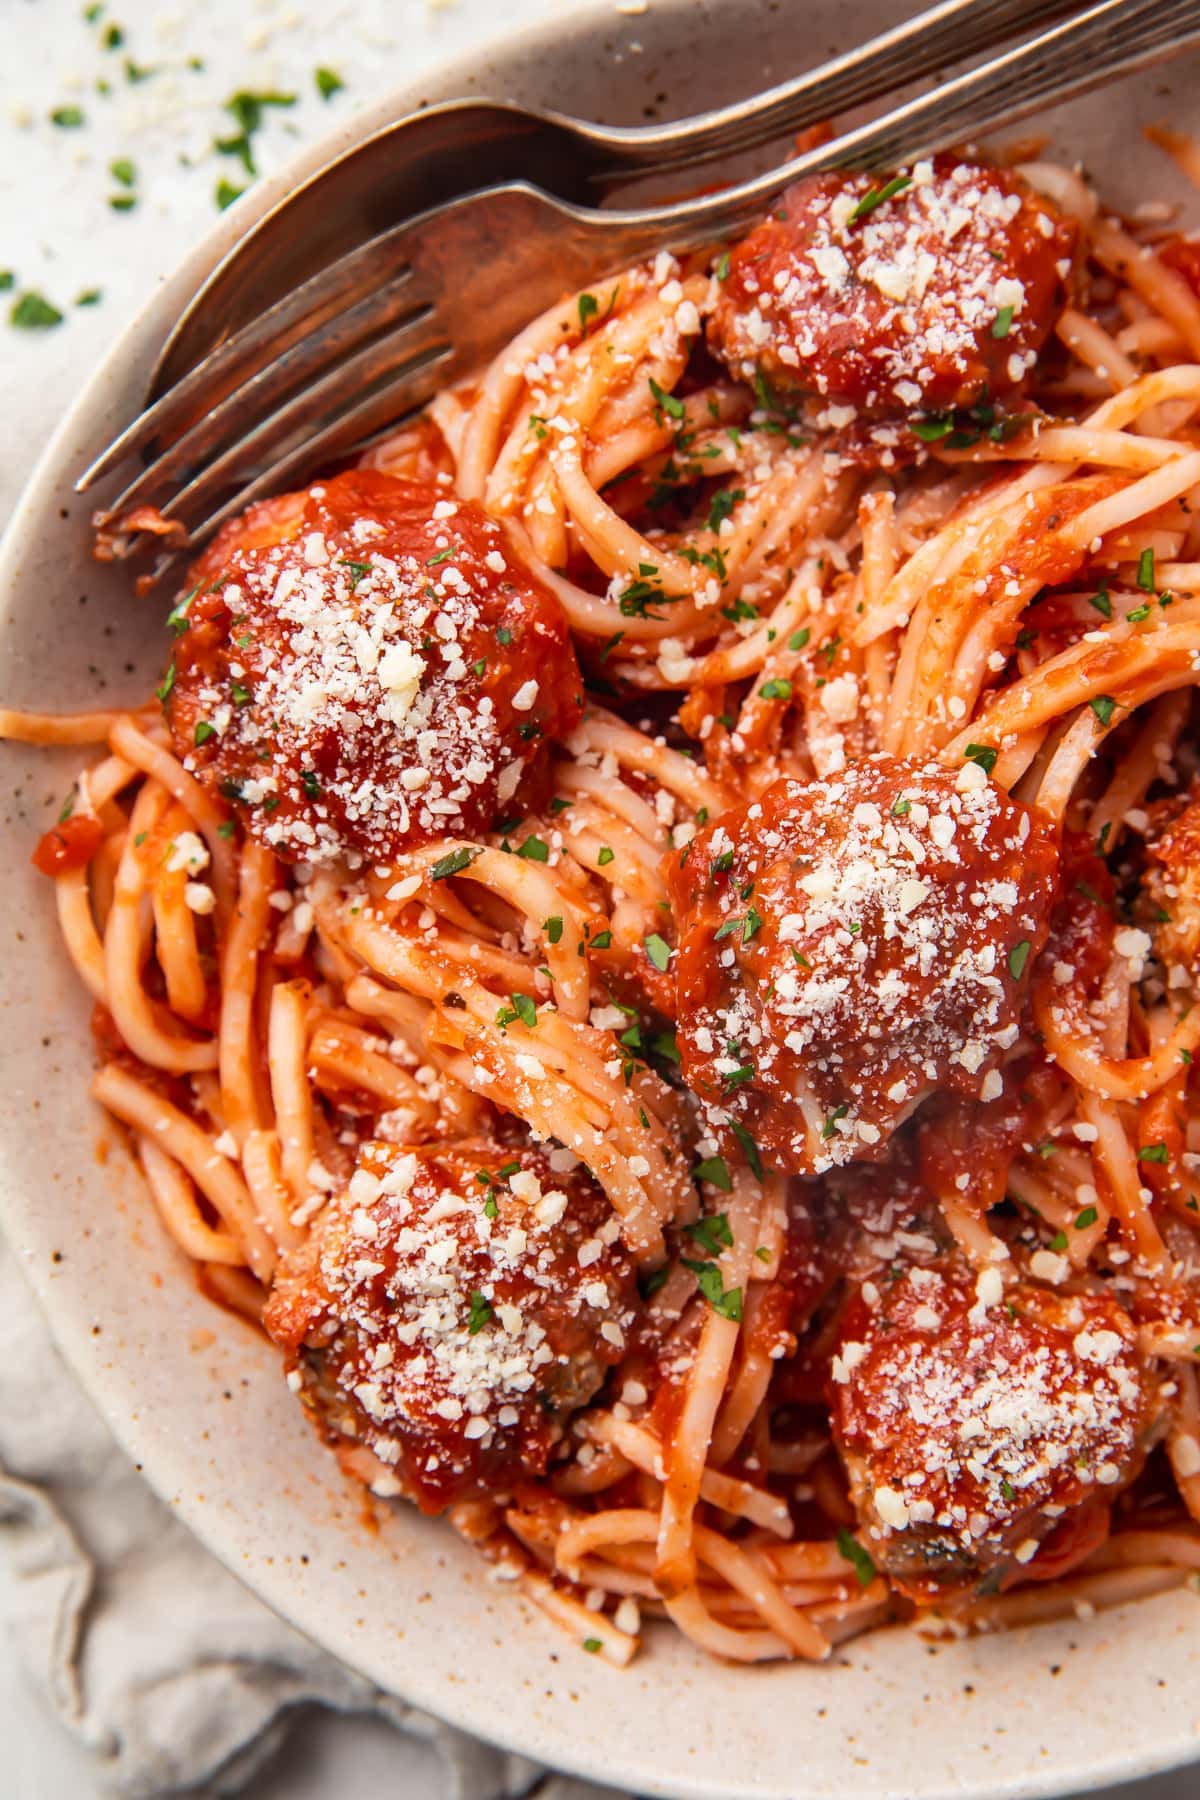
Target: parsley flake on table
(33,312)
(247,110)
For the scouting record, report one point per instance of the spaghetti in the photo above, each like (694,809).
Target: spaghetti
(654,944)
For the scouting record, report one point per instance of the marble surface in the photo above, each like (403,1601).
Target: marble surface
(168,71)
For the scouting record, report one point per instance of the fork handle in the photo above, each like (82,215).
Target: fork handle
(951,31)
(1109,39)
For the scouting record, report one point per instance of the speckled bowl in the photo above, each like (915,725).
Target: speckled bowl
(198,1401)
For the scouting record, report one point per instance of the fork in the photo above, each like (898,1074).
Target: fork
(418,163)
(444,292)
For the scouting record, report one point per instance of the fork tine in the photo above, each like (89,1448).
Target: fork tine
(383,260)
(386,408)
(216,431)
(386,361)
(950,31)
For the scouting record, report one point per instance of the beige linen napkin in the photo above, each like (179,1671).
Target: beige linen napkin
(170,1671)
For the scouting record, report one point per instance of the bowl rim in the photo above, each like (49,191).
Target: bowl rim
(448,76)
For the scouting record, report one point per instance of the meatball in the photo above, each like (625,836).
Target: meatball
(450,1310)
(970,1417)
(1171,885)
(848,946)
(939,295)
(366,665)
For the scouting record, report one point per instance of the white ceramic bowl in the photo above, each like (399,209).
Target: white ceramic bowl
(1037,1712)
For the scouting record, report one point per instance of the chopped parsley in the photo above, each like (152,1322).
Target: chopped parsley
(721,266)
(983,754)
(727,1302)
(776,690)
(876,196)
(1104,706)
(849,1547)
(1145,571)
(1152,1153)
(177,618)
(1102,602)
(247,110)
(748,924)
(534,849)
(203,732)
(452,864)
(932,429)
(1002,323)
(665,403)
(634,600)
(721,506)
(659,951)
(712,1233)
(602,940)
(33,312)
(830,1125)
(1087,1217)
(799,638)
(750,1149)
(605,856)
(714,1170)
(481,1312)
(1018,956)
(589,306)
(553,929)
